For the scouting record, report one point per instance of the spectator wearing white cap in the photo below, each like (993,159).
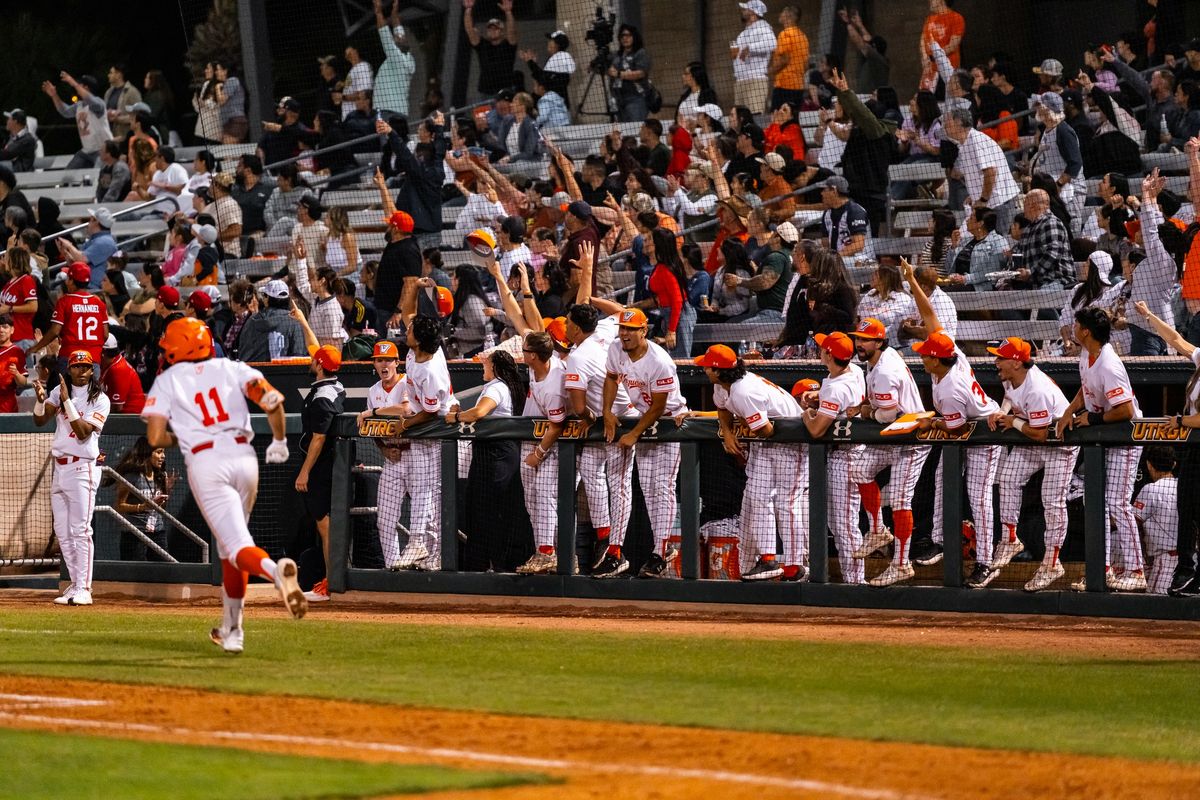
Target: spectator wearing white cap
(1050,75)
(1097,290)
(1059,155)
(772,185)
(559,67)
(97,248)
(394,78)
(20,150)
(751,53)
(272,332)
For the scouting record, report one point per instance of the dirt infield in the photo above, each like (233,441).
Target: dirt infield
(615,760)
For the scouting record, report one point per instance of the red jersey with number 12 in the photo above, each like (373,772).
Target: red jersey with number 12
(83,319)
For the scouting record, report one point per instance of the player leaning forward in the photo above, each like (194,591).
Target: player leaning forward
(959,399)
(203,399)
(1032,401)
(776,474)
(79,412)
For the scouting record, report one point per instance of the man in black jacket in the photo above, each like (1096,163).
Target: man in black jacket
(396,283)
(281,140)
(21,147)
(868,153)
(421,176)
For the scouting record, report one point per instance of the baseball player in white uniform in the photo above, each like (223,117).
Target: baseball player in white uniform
(960,400)
(652,381)
(539,460)
(776,474)
(203,399)
(79,411)
(391,391)
(891,393)
(1032,401)
(1157,510)
(606,470)
(430,397)
(1106,396)
(840,395)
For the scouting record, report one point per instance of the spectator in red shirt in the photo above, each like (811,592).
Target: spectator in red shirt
(80,318)
(668,283)
(119,379)
(12,367)
(18,298)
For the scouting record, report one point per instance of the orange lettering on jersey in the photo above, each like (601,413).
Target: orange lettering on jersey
(753,419)
(825,404)
(664,382)
(1038,415)
(1117,392)
(1138,504)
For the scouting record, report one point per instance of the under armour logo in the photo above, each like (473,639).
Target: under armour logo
(466,429)
(652,431)
(841,429)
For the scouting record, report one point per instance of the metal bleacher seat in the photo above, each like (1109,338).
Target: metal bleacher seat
(1032,330)
(356,199)
(55,177)
(231,152)
(366,220)
(1165,162)
(919,173)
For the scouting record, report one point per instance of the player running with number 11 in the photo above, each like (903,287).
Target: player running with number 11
(204,401)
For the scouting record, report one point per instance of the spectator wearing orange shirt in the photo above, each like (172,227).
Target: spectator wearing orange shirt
(789,61)
(772,184)
(785,129)
(946,27)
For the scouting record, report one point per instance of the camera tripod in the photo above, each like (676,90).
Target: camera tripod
(596,71)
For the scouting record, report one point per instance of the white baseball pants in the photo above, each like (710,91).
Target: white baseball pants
(607,473)
(1021,463)
(906,463)
(72,502)
(776,496)
(423,479)
(844,502)
(224,481)
(389,501)
(980,464)
(658,470)
(540,485)
(1121,466)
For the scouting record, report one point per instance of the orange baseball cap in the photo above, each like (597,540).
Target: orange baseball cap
(401,221)
(1014,348)
(483,238)
(385,349)
(80,357)
(837,345)
(805,385)
(632,318)
(938,345)
(557,328)
(328,356)
(445,302)
(870,328)
(719,356)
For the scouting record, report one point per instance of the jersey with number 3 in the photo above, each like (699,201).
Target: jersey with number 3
(653,373)
(203,399)
(958,397)
(82,317)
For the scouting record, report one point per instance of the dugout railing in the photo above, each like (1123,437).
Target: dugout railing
(278,514)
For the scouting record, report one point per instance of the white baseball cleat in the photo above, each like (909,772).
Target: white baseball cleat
(874,541)
(893,574)
(538,564)
(82,597)
(1044,577)
(414,552)
(229,641)
(65,598)
(1129,582)
(1005,552)
(286,581)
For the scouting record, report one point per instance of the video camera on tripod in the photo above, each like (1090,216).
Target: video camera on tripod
(600,34)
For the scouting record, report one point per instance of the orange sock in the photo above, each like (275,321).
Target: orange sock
(614,550)
(1054,559)
(251,560)
(546,550)
(1012,532)
(902,520)
(602,533)
(871,500)
(234,581)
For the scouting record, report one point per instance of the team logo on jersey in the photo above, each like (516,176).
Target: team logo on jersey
(1146,431)
(379,428)
(572,429)
(935,435)
(841,428)
(828,406)
(1038,415)
(1117,392)
(664,382)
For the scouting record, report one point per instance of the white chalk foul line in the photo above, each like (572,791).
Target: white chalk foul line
(41,700)
(799,784)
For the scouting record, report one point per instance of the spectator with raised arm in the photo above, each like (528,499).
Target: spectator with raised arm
(874,69)
(1155,278)
(421,192)
(867,154)
(394,78)
(89,113)
(496,49)
(1162,111)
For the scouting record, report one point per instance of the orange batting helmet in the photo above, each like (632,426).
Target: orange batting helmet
(186,339)
(445,302)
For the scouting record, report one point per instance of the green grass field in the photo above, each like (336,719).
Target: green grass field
(938,695)
(49,768)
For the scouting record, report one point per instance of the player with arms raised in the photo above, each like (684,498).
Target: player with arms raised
(203,399)
(959,399)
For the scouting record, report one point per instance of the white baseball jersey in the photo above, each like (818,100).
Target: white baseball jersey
(838,395)
(653,373)
(203,400)
(890,384)
(755,400)
(547,397)
(586,367)
(958,397)
(1193,398)
(428,382)
(66,443)
(379,397)
(1157,508)
(1105,382)
(1038,400)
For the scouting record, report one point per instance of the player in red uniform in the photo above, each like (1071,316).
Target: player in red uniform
(80,319)
(12,367)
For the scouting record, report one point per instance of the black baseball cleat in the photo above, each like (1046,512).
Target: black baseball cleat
(610,566)
(1179,584)
(1189,589)
(925,552)
(764,570)
(655,567)
(981,576)
(599,553)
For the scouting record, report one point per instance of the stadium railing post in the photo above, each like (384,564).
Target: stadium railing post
(341,498)
(449,532)
(565,547)
(952,470)
(689,511)
(818,539)
(1094,549)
